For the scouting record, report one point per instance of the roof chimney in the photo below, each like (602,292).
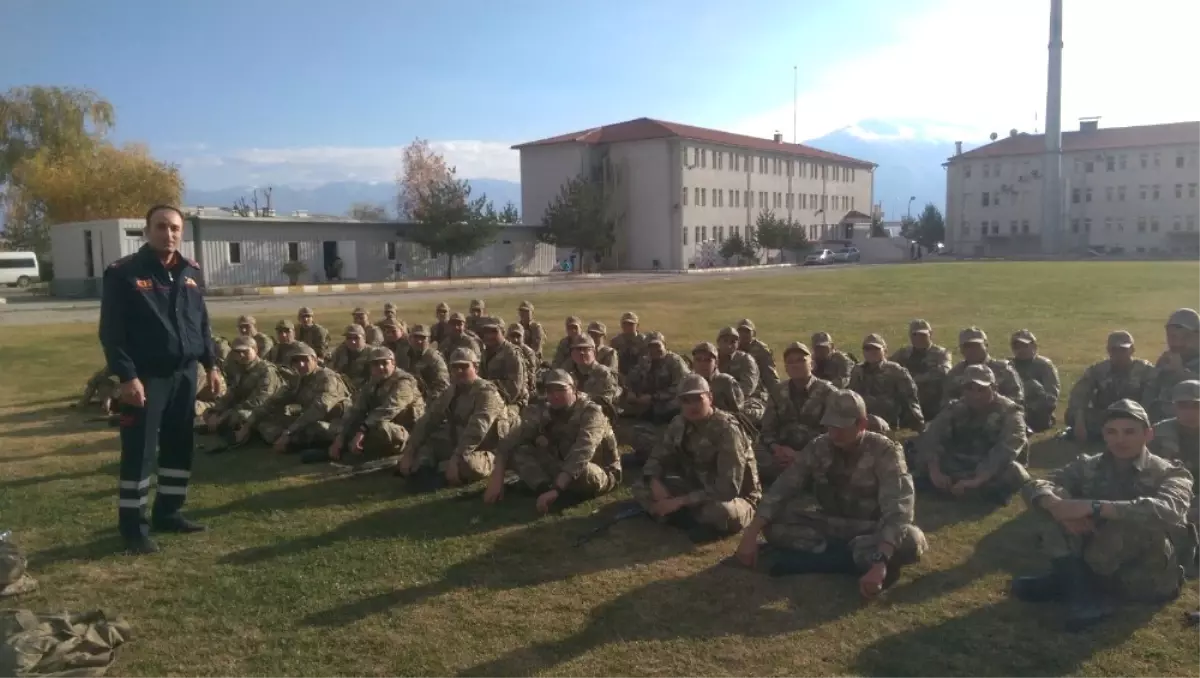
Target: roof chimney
(1012,132)
(1089,124)
(958,148)
(778,138)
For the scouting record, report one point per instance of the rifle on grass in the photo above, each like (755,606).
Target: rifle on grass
(626,513)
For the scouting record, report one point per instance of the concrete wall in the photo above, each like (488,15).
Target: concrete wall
(544,170)
(111,240)
(648,230)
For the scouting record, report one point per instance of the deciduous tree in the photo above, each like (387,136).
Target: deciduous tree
(365,211)
(931,228)
(55,120)
(510,214)
(423,169)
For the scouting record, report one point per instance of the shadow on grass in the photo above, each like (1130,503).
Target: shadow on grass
(935,511)
(103,543)
(715,603)
(1051,452)
(103,444)
(38,414)
(1007,638)
(109,469)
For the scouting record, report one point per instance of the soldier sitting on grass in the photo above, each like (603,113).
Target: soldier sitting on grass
(1121,377)
(350,358)
(253,383)
(886,387)
(973,343)
(1113,524)
(302,415)
(792,419)
(378,422)
(1039,381)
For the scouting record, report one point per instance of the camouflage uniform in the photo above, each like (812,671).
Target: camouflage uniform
(281,353)
(205,398)
(248,326)
(629,347)
(792,418)
(440,328)
(449,343)
(503,366)
(768,376)
(888,390)
(1008,384)
(529,358)
(658,378)
(605,355)
(372,335)
(1137,555)
(928,368)
(315,336)
(473,319)
(251,387)
(1039,382)
(562,352)
(352,365)
(306,411)
(383,411)
(533,334)
(428,366)
(834,369)
(1103,384)
(1172,368)
(101,387)
(863,498)
(576,442)
(464,425)
(1174,441)
(710,463)
(601,385)
(221,351)
(744,369)
(967,442)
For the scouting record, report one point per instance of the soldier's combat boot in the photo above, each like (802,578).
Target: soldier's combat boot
(140,546)
(176,523)
(1043,588)
(1086,604)
(835,559)
(314,455)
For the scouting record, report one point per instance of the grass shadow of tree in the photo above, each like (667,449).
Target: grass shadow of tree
(107,469)
(22,415)
(95,446)
(1051,452)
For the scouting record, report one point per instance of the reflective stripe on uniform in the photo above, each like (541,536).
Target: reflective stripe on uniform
(174,473)
(134,485)
(172,489)
(131,503)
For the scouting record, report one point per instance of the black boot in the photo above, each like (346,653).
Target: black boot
(1043,588)
(1087,605)
(175,523)
(835,559)
(314,455)
(426,479)
(140,546)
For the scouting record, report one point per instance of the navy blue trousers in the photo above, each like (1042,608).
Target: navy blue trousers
(158,434)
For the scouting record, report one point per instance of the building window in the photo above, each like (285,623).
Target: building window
(1156,191)
(685,196)
(1120,193)
(391,250)
(1179,161)
(235,252)
(736,196)
(704,233)
(985,199)
(698,241)
(1108,225)
(1157,159)
(1178,190)
(1122,159)
(1089,167)
(293,251)
(1110,164)
(1087,225)
(987,170)
(824,202)
(1120,225)
(1142,192)
(704,158)
(696,196)
(685,235)
(1012,227)
(1141,224)
(1191,190)
(965,229)
(1024,225)
(704,197)
(1075,195)
(1074,225)
(718,159)
(735,162)
(1087,195)
(995,227)
(1191,222)
(851,202)
(1108,193)
(1178,224)
(1154,224)
(749,199)
(1145,159)
(967,171)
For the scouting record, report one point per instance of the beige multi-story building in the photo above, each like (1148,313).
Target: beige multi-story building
(1130,190)
(675,187)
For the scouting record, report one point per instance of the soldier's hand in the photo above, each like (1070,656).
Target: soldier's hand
(214,382)
(133,393)
(871,583)
(546,500)
(1070,510)
(356,446)
(335,450)
(495,489)
(747,552)
(281,443)
(658,491)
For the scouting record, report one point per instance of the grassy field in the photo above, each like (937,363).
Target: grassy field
(303,575)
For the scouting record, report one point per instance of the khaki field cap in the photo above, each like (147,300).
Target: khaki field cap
(463,356)
(843,409)
(419,331)
(597,327)
(246,320)
(727,332)
(1186,318)
(656,338)
(583,341)
(359,311)
(389,322)
(457,317)
(572,321)
(242,344)
(979,374)
(821,339)
(1023,337)
(874,341)
(476,304)
(972,335)
(389,307)
(526,306)
(379,353)
(558,378)
(693,384)
(303,350)
(491,323)
(284,325)
(920,326)
(705,347)
(304,310)
(629,317)
(796,346)
(1120,339)
(517,329)
(354,329)
(443,306)
(746,324)
(1130,408)
(1186,392)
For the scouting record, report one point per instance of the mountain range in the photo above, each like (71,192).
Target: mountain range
(908,167)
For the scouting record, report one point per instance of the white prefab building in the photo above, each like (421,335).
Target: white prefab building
(238,251)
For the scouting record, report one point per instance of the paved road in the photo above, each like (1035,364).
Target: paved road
(27,312)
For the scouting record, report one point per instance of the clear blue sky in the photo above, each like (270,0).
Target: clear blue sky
(274,73)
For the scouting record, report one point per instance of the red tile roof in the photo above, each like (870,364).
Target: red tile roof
(1096,140)
(645,128)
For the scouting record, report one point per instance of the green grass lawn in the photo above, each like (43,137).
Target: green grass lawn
(305,575)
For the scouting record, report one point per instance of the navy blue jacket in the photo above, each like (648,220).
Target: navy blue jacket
(153,321)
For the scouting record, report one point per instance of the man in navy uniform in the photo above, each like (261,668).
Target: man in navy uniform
(154,329)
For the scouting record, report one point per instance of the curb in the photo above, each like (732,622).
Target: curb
(351,288)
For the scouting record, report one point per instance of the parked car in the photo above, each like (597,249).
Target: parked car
(19,269)
(819,257)
(847,255)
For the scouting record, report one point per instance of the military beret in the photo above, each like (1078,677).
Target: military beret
(476,304)
(693,384)
(1186,318)
(1186,392)
(1120,339)
(629,317)
(583,341)
(303,350)
(354,329)
(572,320)
(381,353)
(726,332)
(843,409)
(796,346)
(525,306)
(972,335)
(1127,409)
(747,324)
(463,356)
(419,331)
(442,306)
(821,339)
(920,326)
(979,374)
(304,310)
(1023,337)
(284,325)
(457,317)
(558,378)
(874,341)
(597,327)
(246,320)
(359,311)
(705,347)
(243,343)
(517,329)
(656,338)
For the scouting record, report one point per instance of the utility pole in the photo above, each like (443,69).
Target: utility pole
(1052,185)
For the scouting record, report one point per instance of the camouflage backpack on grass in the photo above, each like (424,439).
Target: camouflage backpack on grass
(67,644)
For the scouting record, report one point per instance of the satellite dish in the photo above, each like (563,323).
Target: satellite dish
(993,137)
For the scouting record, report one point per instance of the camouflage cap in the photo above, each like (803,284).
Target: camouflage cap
(1186,318)
(516,329)
(389,306)
(726,332)
(705,347)
(1127,409)
(1023,337)
(442,306)
(284,325)
(693,384)
(491,323)
(246,320)
(874,341)
(796,346)
(526,306)
(558,378)
(979,374)
(843,409)
(457,317)
(972,335)
(418,331)
(378,353)
(822,339)
(390,322)
(656,338)
(597,327)
(1120,339)
(243,343)
(920,326)
(573,321)
(583,341)
(1186,392)
(476,304)
(629,317)
(359,311)
(303,350)
(354,329)
(746,323)
(304,310)
(462,356)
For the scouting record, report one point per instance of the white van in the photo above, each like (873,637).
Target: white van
(19,269)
